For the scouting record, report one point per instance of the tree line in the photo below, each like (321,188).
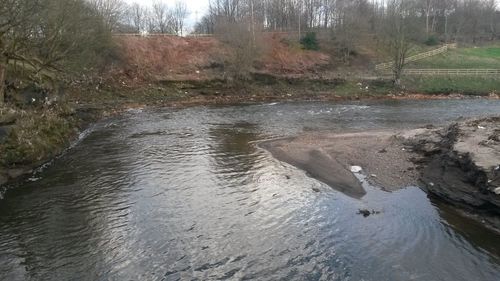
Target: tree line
(467,20)
(157,18)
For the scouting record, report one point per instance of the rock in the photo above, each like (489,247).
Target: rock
(315,189)
(497,191)
(356,169)
(364,212)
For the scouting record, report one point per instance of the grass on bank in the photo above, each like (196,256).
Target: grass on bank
(450,85)
(484,57)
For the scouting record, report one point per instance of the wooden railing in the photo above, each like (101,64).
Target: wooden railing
(387,65)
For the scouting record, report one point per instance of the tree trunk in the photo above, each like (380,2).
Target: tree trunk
(427,23)
(2,83)
(397,78)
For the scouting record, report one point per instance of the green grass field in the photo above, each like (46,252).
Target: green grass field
(462,58)
(485,57)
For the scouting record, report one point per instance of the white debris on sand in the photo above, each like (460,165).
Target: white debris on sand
(356,169)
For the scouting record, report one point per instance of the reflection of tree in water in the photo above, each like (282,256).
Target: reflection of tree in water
(233,153)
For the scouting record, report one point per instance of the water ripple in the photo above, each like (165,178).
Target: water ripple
(187,195)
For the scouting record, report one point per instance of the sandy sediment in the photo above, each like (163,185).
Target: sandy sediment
(328,158)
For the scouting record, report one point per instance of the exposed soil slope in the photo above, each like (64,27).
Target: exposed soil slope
(170,57)
(157,58)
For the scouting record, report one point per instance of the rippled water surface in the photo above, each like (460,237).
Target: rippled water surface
(186,195)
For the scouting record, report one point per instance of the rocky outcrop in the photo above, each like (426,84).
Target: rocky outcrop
(460,164)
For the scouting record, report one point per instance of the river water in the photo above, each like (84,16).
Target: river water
(185,194)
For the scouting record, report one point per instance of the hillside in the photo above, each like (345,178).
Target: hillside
(158,58)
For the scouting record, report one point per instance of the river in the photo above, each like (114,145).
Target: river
(185,194)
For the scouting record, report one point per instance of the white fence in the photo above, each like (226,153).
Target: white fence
(453,72)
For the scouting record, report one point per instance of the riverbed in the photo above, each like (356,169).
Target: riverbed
(186,194)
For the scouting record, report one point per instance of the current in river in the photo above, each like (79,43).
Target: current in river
(186,194)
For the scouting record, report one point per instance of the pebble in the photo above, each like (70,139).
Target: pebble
(497,191)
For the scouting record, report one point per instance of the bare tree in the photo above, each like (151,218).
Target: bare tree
(16,25)
(41,38)
(110,10)
(180,13)
(162,17)
(240,38)
(137,17)
(399,35)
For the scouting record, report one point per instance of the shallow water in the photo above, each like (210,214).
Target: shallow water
(186,194)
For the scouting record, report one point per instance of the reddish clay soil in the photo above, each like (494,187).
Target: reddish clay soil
(157,58)
(169,58)
(282,56)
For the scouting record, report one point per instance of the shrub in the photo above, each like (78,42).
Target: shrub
(310,42)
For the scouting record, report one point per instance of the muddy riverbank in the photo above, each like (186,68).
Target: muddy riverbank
(458,164)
